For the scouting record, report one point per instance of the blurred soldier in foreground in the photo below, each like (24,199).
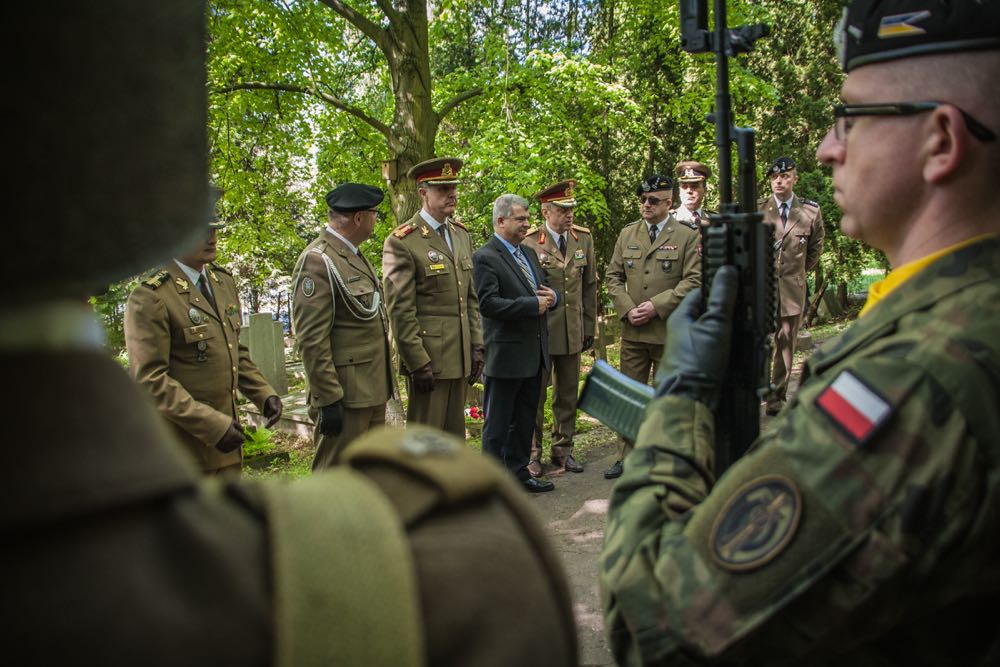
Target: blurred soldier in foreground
(692,181)
(114,550)
(340,325)
(566,254)
(182,333)
(427,265)
(798,239)
(863,527)
(654,264)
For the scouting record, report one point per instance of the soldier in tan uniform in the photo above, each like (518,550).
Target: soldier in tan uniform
(341,326)
(566,253)
(116,551)
(182,333)
(656,262)
(798,241)
(432,303)
(692,183)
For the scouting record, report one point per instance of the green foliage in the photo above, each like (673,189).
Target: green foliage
(259,441)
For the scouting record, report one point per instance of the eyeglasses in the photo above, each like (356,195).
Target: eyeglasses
(652,201)
(378,213)
(843,113)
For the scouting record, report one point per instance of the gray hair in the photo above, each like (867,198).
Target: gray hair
(504,205)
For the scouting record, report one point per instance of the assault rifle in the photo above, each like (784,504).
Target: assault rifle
(735,236)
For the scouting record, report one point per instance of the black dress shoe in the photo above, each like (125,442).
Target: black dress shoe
(613,471)
(773,407)
(537,485)
(567,463)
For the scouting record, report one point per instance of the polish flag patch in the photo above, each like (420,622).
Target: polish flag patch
(854,407)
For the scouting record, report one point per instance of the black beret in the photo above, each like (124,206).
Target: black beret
(781,165)
(351,197)
(653,183)
(872,31)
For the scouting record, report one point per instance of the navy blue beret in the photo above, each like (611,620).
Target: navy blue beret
(351,197)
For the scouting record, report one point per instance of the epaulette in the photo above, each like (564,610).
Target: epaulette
(688,223)
(810,202)
(220,269)
(762,201)
(156,280)
(404,229)
(581,228)
(458,224)
(634,222)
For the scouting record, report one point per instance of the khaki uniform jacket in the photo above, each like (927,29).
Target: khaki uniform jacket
(662,272)
(116,553)
(575,279)
(431,298)
(863,528)
(798,248)
(345,351)
(190,360)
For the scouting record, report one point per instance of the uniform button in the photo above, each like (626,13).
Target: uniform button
(201,335)
(230,346)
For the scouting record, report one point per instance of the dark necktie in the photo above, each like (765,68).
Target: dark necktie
(562,245)
(784,214)
(525,269)
(207,293)
(697,218)
(443,231)
(652,234)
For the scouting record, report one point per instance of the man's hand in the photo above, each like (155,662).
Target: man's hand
(423,378)
(546,298)
(231,439)
(272,410)
(478,363)
(697,351)
(642,313)
(331,418)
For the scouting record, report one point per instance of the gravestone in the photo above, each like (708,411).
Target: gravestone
(266,341)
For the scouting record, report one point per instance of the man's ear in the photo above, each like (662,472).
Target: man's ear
(945,144)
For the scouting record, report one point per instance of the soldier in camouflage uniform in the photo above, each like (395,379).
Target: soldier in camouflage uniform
(862,527)
(115,550)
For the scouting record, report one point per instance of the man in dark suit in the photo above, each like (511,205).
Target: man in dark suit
(513,302)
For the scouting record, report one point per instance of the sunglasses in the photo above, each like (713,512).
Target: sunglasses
(652,201)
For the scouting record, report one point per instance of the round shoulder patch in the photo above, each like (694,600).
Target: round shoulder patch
(756,524)
(308,286)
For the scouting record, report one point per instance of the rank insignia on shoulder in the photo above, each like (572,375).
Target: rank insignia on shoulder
(581,229)
(155,281)
(756,524)
(690,223)
(308,286)
(181,283)
(810,202)
(458,224)
(403,230)
(854,407)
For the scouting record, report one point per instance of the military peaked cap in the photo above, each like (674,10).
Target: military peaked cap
(873,31)
(351,197)
(436,171)
(780,166)
(561,194)
(654,183)
(689,171)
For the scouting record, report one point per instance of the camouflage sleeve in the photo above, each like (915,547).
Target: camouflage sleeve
(614,280)
(815,539)
(665,302)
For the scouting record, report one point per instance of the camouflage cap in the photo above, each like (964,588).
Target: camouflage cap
(560,194)
(436,171)
(689,171)
(654,183)
(872,31)
(112,170)
(780,166)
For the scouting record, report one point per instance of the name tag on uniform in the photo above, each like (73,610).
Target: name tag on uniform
(437,267)
(633,247)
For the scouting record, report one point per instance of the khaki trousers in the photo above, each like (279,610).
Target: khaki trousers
(442,408)
(565,378)
(356,422)
(784,348)
(639,361)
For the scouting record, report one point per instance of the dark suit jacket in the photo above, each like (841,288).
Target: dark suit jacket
(516,336)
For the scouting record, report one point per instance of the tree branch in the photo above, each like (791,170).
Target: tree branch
(326,97)
(372,30)
(455,101)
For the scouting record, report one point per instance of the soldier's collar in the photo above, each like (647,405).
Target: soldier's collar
(60,325)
